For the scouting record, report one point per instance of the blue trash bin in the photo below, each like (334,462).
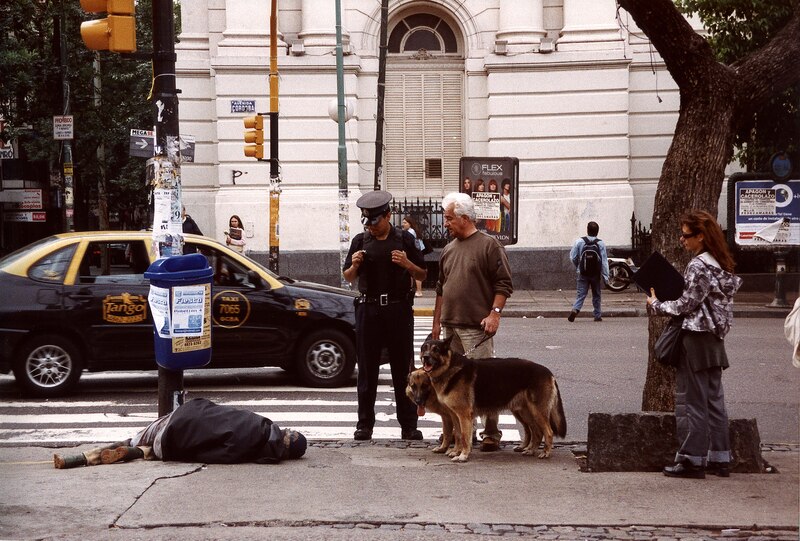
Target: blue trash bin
(180,302)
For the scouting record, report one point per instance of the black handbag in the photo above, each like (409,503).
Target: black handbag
(668,346)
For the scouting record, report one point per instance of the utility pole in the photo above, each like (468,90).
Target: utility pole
(344,205)
(66,145)
(166,172)
(381,94)
(274,163)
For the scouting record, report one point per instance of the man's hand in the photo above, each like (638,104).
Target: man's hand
(491,323)
(400,258)
(436,330)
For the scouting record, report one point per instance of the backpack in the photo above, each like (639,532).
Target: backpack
(590,263)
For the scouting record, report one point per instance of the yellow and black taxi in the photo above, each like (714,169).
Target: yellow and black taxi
(78,301)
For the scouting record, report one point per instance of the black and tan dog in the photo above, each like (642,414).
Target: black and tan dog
(421,392)
(468,387)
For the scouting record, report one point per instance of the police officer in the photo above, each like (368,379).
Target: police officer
(386,262)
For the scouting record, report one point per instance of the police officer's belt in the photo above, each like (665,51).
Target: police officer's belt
(382,300)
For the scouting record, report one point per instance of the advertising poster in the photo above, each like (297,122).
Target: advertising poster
(191,318)
(767,213)
(493,184)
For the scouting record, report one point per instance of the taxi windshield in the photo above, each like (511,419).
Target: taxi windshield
(25,250)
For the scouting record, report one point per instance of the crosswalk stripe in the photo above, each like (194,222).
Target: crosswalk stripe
(95,421)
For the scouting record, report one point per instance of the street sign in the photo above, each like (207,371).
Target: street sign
(243,106)
(22,199)
(142,144)
(22,216)
(63,127)
(6,149)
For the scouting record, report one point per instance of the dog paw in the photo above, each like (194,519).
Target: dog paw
(440,449)
(460,458)
(528,452)
(519,448)
(544,454)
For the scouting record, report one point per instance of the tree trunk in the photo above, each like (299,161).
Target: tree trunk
(714,98)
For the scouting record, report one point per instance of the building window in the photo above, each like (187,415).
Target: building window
(422,31)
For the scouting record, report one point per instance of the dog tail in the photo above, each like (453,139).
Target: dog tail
(558,421)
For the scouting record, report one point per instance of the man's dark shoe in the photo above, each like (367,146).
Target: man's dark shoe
(411,434)
(571,316)
(489,445)
(362,434)
(720,469)
(598,318)
(686,470)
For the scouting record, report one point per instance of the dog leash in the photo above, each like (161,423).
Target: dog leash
(473,348)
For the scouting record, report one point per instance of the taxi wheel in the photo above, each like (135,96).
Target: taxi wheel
(47,366)
(326,358)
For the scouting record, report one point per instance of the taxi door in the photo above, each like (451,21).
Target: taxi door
(249,321)
(106,303)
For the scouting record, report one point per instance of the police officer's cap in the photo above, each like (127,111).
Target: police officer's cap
(373,205)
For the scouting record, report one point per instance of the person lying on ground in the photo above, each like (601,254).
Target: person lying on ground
(200,431)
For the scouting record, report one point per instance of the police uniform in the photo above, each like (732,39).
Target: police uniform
(384,315)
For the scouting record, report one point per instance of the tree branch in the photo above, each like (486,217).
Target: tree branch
(772,68)
(688,56)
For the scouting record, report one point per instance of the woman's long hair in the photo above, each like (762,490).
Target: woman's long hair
(700,221)
(241,225)
(413,225)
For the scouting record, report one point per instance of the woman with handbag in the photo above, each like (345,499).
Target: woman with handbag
(707,309)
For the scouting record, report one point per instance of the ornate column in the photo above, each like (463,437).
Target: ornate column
(318,28)
(246,29)
(521,24)
(590,25)
(193,44)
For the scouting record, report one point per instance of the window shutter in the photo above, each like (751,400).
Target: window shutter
(423,113)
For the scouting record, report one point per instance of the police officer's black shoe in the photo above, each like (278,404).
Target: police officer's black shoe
(362,434)
(411,434)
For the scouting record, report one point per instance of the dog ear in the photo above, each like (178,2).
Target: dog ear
(446,342)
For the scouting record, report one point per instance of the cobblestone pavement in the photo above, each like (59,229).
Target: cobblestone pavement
(579,533)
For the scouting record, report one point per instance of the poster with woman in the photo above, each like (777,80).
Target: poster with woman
(493,184)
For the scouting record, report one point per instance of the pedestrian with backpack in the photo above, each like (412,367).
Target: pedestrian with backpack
(589,256)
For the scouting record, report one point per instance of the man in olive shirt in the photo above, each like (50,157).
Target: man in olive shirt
(474,283)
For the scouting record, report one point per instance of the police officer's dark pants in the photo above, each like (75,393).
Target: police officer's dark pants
(390,326)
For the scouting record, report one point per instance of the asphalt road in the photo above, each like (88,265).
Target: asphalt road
(600,368)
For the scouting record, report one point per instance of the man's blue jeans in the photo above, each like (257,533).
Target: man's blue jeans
(583,290)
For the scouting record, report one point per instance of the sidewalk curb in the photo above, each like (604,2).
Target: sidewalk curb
(744,312)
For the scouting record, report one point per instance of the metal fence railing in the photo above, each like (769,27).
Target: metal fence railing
(429,217)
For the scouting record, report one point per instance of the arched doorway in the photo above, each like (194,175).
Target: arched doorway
(424,106)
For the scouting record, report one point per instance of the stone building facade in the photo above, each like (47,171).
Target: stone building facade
(570,87)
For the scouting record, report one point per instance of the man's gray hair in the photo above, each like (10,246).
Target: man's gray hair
(463,205)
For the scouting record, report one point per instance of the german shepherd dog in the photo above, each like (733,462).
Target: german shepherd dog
(467,387)
(421,392)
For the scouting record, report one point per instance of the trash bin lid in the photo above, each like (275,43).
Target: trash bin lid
(180,268)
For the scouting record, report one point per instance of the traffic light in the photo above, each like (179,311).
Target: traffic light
(115,33)
(254,135)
